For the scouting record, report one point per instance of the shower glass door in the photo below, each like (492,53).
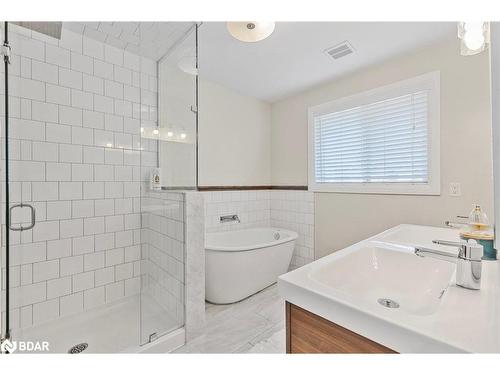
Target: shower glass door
(25,267)
(71,221)
(4,258)
(93,256)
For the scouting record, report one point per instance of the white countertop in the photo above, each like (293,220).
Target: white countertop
(466,320)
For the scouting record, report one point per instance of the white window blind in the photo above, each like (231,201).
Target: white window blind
(381,142)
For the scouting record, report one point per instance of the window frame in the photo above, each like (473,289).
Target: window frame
(429,81)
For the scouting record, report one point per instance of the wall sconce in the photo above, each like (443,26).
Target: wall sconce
(474,37)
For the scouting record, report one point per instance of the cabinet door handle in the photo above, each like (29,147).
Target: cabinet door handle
(21,227)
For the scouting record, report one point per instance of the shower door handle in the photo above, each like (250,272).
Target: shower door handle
(21,227)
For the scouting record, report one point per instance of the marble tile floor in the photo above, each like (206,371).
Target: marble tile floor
(254,325)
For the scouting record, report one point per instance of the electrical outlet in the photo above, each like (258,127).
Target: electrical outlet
(455,189)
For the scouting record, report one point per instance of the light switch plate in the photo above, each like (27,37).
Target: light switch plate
(455,189)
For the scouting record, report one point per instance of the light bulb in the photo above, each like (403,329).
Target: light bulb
(142,130)
(183,135)
(109,145)
(474,36)
(474,39)
(170,134)
(156,132)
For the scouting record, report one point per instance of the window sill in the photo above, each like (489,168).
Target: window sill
(383,189)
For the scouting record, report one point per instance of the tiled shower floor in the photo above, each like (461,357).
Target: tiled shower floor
(109,329)
(255,325)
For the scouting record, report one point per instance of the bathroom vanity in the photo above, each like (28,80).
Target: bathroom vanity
(309,333)
(377,296)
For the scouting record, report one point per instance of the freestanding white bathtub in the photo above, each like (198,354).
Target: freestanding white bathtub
(241,263)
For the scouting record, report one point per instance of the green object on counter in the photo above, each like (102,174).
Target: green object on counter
(489,252)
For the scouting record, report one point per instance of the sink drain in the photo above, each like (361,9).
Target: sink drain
(389,303)
(77,349)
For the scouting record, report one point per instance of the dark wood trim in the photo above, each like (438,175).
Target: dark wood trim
(309,333)
(175,188)
(252,187)
(288,327)
(232,188)
(289,187)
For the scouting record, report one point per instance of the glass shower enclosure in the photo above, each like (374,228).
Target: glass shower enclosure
(93,253)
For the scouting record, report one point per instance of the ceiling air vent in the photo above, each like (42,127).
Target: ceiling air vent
(340,50)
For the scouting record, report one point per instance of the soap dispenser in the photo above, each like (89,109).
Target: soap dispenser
(478,219)
(155,179)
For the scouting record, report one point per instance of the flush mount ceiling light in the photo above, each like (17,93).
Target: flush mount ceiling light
(474,37)
(250,31)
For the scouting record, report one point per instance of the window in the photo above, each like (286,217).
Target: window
(383,141)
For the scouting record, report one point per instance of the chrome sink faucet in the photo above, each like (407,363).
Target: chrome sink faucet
(468,260)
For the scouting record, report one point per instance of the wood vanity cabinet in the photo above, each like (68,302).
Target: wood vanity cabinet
(310,333)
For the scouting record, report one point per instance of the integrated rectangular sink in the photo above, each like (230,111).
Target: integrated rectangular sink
(413,235)
(379,289)
(387,276)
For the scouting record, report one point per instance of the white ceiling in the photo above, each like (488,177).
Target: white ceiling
(149,39)
(292,59)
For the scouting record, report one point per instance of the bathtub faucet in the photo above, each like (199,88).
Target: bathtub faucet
(229,219)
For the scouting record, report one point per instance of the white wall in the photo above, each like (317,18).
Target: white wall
(234,138)
(342,219)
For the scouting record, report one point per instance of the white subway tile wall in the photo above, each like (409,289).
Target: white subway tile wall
(251,206)
(287,209)
(294,210)
(163,243)
(75,154)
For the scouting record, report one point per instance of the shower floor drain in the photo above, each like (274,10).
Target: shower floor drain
(389,303)
(77,349)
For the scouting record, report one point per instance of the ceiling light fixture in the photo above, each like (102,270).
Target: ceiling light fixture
(474,37)
(250,31)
